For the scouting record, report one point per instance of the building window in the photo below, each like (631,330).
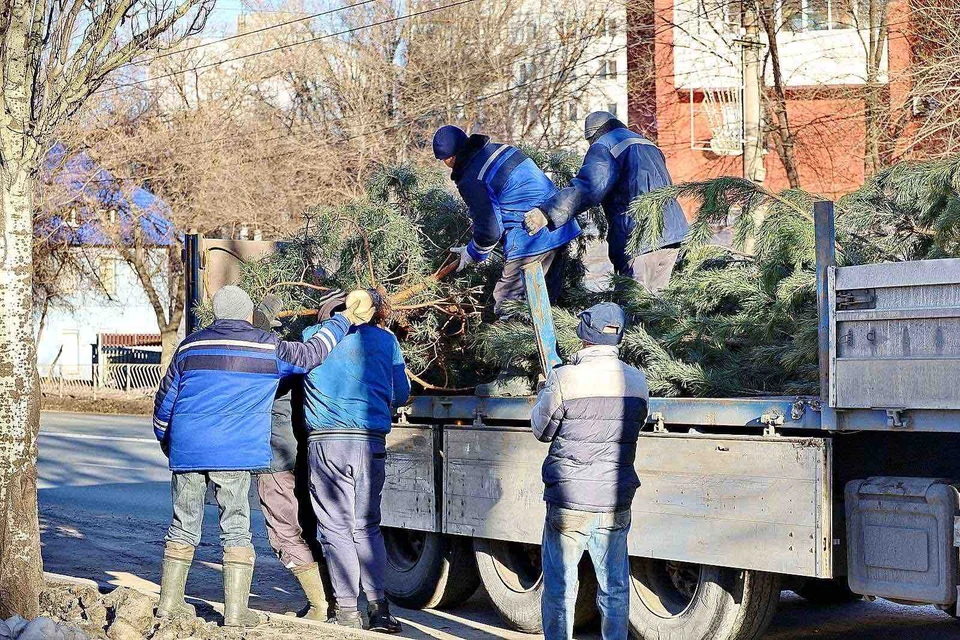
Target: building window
(612,108)
(572,112)
(107,274)
(824,15)
(608,69)
(610,27)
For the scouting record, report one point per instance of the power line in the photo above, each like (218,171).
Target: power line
(312,16)
(288,45)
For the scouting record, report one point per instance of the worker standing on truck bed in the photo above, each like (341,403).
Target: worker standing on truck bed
(349,412)
(591,412)
(277,488)
(499,184)
(212,418)
(619,166)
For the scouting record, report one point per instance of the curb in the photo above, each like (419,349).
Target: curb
(59,577)
(270,616)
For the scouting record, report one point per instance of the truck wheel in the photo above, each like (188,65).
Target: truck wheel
(428,570)
(826,592)
(512,575)
(681,601)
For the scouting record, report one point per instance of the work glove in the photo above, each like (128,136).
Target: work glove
(534,220)
(265,313)
(465,257)
(361,307)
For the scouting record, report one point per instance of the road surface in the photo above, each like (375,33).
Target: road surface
(105,505)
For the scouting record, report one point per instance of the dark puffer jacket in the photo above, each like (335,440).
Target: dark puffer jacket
(591,412)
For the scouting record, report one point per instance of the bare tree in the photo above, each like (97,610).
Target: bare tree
(55,54)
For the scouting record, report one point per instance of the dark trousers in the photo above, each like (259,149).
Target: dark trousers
(346,481)
(511,286)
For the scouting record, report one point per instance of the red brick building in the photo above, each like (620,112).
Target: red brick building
(684,84)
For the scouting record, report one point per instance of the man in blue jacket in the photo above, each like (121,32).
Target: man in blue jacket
(499,184)
(349,411)
(619,166)
(212,416)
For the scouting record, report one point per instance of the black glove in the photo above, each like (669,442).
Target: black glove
(165,447)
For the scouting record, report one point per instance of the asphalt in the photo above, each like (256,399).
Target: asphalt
(105,504)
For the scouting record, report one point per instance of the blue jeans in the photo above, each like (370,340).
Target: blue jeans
(566,534)
(232,490)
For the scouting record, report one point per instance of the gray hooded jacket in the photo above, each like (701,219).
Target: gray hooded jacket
(591,412)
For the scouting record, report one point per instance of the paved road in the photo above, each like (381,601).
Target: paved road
(105,504)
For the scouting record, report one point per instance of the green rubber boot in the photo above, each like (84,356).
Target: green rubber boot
(309,578)
(237,576)
(177,558)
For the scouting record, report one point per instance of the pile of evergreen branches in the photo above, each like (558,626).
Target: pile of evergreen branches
(736,320)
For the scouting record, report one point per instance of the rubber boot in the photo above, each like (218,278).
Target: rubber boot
(237,576)
(177,558)
(510,382)
(308,576)
(380,619)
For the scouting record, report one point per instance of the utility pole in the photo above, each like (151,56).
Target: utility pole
(750,47)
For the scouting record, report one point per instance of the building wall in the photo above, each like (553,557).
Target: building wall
(71,328)
(824,72)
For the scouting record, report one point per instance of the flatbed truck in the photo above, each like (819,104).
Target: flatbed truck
(846,494)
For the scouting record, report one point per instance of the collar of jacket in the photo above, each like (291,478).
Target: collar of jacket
(232,324)
(474,145)
(607,127)
(595,351)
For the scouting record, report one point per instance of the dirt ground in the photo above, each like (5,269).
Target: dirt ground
(133,406)
(126,614)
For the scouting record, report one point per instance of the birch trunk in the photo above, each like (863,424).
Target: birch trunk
(21,568)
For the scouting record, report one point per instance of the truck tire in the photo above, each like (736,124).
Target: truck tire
(512,575)
(826,592)
(681,601)
(428,570)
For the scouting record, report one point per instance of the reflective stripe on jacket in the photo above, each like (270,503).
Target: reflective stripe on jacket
(591,412)
(500,184)
(213,407)
(618,167)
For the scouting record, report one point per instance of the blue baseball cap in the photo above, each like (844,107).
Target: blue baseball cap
(447,141)
(602,324)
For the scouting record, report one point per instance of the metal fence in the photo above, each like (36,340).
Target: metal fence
(105,379)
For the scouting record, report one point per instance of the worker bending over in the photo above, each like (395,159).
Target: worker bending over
(590,411)
(499,184)
(619,166)
(349,409)
(212,418)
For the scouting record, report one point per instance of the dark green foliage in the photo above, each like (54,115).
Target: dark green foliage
(742,320)
(734,321)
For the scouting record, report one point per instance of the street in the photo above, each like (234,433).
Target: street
(105,504)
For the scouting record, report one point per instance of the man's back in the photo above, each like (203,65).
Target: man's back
(358,384)
(213,406)
(591,412)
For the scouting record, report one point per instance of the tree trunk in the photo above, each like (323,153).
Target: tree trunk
(21,566)
(784,141)
(169,338)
